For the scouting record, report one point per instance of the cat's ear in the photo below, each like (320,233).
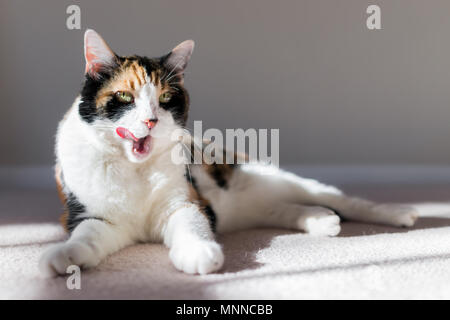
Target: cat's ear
(99,56)
(178,58)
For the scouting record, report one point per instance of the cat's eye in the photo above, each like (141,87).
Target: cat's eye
(165,97)
(124,97)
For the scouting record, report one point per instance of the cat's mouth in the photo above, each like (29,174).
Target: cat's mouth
(140,147)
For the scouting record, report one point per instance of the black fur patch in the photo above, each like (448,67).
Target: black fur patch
(88,109)
(75,209)
(211,217)
(178,106)
(218,176)
(114,109)
(208,210)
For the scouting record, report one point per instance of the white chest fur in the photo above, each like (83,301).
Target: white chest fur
(141,196)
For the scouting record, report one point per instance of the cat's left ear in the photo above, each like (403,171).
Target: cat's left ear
(178,58)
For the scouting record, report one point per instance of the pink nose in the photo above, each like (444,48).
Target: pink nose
(151,123)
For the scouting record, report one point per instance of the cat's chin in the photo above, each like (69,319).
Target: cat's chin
(139,151)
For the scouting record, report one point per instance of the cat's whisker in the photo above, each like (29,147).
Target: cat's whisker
(174,75)
(173,88)
(176,66)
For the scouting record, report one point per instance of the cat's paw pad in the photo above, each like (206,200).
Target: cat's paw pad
(56,259)
(322,223)
(400,215)
(198,257)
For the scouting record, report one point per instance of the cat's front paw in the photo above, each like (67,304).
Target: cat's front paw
(198,257)
(56,259)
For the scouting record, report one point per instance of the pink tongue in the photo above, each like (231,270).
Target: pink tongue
(126,134)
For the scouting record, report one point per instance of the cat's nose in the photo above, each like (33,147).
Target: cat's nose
(150,123)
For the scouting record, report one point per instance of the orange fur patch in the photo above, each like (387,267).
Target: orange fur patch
(62,196)
(130,78)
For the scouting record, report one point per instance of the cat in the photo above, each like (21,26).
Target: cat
(120,186)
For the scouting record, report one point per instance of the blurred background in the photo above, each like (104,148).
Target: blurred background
(353,105)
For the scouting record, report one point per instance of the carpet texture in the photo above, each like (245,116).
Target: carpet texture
(363,262)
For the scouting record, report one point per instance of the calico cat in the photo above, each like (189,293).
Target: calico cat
(120,186)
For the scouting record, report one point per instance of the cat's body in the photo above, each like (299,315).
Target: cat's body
(120,185)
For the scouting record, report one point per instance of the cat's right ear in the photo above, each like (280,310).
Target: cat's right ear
(98,54)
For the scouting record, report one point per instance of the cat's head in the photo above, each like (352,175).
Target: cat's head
(133,101)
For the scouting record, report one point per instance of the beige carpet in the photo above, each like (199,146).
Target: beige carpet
(365,261)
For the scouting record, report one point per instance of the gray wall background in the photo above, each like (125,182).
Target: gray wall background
(339,93)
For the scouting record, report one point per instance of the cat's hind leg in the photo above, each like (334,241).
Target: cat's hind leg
(314,220)
(285,187)
(361,210)
(312,192)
